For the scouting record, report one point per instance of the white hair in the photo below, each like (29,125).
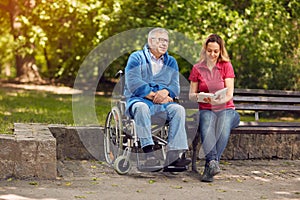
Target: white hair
(155,30)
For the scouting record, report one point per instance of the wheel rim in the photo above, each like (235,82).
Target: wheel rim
(112,133)
(120,167)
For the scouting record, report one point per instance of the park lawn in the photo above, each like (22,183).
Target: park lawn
(28,106)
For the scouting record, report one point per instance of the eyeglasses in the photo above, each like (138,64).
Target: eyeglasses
(162,40)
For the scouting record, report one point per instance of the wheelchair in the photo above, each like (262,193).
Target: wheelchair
(121,141)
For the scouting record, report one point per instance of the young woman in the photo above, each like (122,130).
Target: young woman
(217,115)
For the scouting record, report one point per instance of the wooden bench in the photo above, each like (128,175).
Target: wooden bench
(262,101)
(251,101)
(256,101)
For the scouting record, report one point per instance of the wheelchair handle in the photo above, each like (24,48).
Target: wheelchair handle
(119,74)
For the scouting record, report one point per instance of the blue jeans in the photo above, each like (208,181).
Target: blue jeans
(175,114)
(215,128)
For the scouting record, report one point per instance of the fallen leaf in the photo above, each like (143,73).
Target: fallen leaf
(176,187)
(80,197)
(9,179)
(239,180)
(68,183)
(221,190)
(33,183)
(152,181)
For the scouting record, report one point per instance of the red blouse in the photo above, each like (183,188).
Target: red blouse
(212,81)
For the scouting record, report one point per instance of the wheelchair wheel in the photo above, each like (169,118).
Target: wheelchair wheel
(121,165)
(112,135)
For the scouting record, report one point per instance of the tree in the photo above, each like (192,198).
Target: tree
(265,51)
(262,36)
(26,68)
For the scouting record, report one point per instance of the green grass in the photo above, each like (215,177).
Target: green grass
(24,106)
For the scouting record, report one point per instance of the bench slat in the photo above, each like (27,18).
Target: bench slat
(265,130)
(266,99)
(265,107)
(267,92)
(269,124)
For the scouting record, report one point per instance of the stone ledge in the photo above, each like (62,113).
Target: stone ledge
(263,146)
(29,153)
(33,150)
(78,143)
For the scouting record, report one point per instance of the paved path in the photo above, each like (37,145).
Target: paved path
(275,179)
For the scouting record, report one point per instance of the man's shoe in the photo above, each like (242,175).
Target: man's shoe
(206,176)
(173,159)
(214,167)
(180,162)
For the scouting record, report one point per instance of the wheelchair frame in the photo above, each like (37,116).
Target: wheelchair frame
(121,140)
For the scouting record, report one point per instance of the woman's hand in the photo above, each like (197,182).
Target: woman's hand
(216,101)
(193,97)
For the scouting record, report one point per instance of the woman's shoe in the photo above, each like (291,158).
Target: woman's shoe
(214,167)
(206,176)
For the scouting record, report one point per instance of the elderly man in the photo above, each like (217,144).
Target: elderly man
(151,84)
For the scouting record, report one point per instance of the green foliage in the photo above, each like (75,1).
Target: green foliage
(265,50)
(262,36)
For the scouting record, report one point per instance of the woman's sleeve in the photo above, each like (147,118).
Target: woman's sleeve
(194,74)
(229,72)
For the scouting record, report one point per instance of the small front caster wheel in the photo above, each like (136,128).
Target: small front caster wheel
(122,165)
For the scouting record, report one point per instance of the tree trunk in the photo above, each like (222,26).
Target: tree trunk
(26,69)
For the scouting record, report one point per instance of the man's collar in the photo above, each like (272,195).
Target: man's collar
(153,56)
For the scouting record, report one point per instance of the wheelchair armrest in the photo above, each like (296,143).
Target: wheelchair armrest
(176,99)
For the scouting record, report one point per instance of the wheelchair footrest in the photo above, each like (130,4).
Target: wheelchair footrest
(143,168)
(175,168)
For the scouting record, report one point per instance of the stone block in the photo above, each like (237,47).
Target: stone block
(285,146)
(7,156)
(92,140)
(29,153)
(6,169)
(263,146)
(296,148)
(26,150)
(7,146)
(58,131)
(78,142)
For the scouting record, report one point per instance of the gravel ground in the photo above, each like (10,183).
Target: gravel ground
(258,179)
